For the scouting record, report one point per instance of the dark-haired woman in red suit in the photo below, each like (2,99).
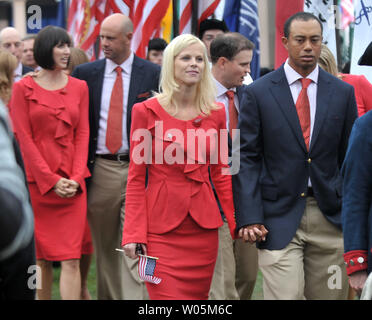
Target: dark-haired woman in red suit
(50,115)
(178,219)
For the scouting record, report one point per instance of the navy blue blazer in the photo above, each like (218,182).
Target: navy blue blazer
(26,69)
(144,80)
(357,200)
(275,165)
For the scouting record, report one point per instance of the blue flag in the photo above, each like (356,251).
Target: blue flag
(242,16)
(48,14)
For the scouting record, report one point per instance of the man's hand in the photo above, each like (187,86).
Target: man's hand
(357,281)
(253,233)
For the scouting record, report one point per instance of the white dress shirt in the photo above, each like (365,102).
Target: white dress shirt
(108,84)
(18,73)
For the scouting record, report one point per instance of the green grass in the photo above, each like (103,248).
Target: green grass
(257,293)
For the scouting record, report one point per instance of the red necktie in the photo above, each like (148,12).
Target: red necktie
(303,110)
(233,113)
(115,115)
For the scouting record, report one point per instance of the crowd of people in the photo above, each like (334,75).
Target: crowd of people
(182,158)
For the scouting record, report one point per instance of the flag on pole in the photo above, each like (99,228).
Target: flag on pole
(284,9)
(320,8)
(324,10)
(185,7)
(205,10)
(362,37)
(347,12)
(146,269)
(242,16)
(147,16)
(83,23)
(166,25)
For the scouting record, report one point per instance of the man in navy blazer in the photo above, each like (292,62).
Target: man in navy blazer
(356,204)
(288,194)
(117,276)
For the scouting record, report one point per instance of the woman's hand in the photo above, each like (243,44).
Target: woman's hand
(253,233)
(130,250)
(66,188)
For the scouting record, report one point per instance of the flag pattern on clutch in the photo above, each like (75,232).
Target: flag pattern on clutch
(146,269)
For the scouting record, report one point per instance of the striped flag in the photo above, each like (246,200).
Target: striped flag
(347,11)
(146,269)
(185,16)
(84,20)
(205,9)
(146,16)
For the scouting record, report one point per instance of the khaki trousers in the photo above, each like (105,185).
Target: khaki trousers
(310,266)
(236,268)
(117,275)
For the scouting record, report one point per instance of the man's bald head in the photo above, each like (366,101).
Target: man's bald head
(116,34)
(10,40)
(119,21)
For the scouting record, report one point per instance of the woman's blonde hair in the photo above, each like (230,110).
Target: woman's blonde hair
(8,63)
(77,56)
(327,61)
(206,91)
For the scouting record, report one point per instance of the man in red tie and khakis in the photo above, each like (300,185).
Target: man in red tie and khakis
(236,267)
(294,128)
(115,84)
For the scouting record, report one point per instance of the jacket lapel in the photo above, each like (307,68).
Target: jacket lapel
(324,92)
(282,94)
(97,76)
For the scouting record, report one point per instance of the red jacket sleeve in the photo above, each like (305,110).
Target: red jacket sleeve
(135,221)
(221,177)
(356,260)
(366,92)
(81,138)
(34,162)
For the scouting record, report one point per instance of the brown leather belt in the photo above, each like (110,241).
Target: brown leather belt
(121,157)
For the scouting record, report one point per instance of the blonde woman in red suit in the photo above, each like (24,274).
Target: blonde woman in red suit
(50,114)
(178,219)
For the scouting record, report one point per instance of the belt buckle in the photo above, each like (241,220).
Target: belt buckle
(118,158)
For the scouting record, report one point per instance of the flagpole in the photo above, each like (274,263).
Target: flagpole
(176,20)
(194,17)
(338,39)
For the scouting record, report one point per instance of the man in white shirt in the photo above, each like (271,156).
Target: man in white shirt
(115,84)
(10,40)
(236,267)
(294,128)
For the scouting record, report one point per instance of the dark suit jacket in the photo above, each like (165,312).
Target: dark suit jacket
(357,200)
(275,165)
(144,80)
(26,69)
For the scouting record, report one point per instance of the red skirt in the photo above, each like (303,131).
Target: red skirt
(60,224)
(187,256)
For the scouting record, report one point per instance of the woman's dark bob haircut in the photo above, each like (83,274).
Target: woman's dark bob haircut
(45,41)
